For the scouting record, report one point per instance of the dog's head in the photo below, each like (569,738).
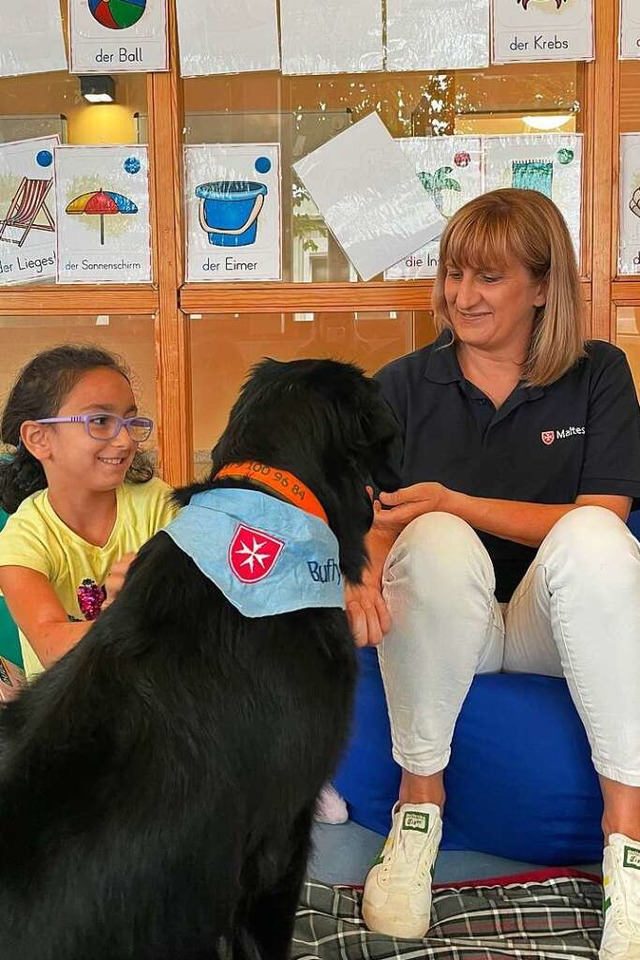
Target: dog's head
(327,423)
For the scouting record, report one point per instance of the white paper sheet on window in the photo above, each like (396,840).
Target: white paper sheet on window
(369,196)
(27,211)
(130,36)
(629,29)
(31,37)
(102,204)
(432,35)
(232,199)
(335,36)
(550,163)
(227,36)
(450,171)
(629,253)
(539,30)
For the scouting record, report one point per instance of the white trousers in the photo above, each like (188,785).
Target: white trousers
(575,614)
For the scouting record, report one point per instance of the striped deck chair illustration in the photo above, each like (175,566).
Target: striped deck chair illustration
(29,200)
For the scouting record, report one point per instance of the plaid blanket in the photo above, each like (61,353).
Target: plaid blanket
(536,920)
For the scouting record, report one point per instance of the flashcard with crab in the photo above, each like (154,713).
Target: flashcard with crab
(629,29)
(538,30)
(629,252)
(102,204)
(450,171)
(432,35)
(550,163)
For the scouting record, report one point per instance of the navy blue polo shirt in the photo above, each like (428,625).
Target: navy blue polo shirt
(579,435)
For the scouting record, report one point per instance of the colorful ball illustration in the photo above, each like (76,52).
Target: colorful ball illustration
(462,159)
(117,14)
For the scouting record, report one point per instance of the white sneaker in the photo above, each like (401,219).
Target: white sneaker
(397,891)
(621,881)
(330,806)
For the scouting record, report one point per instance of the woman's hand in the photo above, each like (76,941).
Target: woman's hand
(406,504)
(368,615)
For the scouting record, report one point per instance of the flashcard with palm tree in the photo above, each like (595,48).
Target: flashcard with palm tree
(102,202)
(550,163)
(629,254)
(450,171)
(541,30)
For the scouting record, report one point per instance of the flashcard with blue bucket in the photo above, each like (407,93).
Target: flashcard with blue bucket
(629,29)
(525,31)
(233,211)
(32,39)
(450,171)
(27,211)
(432,35)
(118,36)
(548,162)
(629,256)
(102,204)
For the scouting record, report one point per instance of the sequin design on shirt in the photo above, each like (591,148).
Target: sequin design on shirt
(90,598)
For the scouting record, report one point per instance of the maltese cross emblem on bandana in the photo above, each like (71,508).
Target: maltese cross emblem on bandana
(252,553)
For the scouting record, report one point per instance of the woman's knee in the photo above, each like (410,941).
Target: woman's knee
(592,537)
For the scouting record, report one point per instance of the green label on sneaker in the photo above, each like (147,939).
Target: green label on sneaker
(631,858)
(414,820)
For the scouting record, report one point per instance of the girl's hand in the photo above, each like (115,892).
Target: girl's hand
(406,504)
(115,578)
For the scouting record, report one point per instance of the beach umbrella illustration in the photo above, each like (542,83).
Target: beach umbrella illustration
(101,203)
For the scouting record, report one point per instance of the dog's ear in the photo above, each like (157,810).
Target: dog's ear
(375,431)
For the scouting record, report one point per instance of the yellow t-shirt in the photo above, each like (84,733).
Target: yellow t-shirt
(35,537)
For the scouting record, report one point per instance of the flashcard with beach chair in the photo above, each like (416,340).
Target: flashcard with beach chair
(629,255)
(525,31)
(228,36)
(31,38)
(118,36)
(369,196)
(629,29)
(548,162)
(27,210)
(450,171)
(102,209)
(335,36)
(432,35)
(233,211)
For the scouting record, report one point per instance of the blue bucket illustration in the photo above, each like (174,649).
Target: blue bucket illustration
(229,211)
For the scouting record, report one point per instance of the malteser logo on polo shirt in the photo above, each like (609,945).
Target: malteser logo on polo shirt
(549,436)
(632,857)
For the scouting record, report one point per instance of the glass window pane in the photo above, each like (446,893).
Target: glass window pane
(628,338)
(301,113)
(225,346)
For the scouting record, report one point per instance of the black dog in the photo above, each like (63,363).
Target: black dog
(157,785)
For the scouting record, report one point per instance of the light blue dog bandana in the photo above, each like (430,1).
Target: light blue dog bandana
(266,556)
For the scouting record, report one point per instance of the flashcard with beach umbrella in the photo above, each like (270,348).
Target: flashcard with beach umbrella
(548,162)
(32,39)
(27,221)
(450,171)
(118,36)
(233,211)
(629,255)
(432,35)
(102,202)
(525,31)
(629,29)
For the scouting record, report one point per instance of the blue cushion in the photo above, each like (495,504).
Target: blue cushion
(520,783)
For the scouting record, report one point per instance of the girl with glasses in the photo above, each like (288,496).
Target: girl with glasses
(80,492)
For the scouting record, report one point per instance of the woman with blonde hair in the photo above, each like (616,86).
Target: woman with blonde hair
(506,548)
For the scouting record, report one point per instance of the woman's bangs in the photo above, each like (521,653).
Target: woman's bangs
(479,244)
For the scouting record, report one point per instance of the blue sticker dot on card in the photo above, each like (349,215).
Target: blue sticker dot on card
(44,158)
(132,165)
(263,164)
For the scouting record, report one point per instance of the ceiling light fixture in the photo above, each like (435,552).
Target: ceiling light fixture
(98,88)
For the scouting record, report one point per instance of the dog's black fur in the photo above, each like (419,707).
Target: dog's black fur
(157,785)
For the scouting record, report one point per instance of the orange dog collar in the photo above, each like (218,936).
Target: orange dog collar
(280,481)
